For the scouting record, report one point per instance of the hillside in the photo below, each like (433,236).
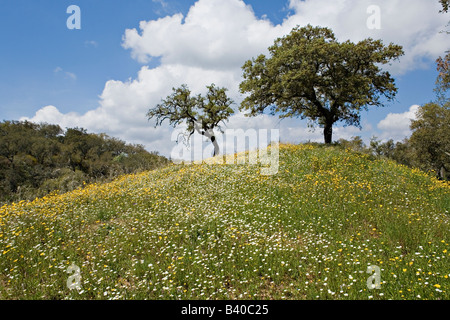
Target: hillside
(207,231)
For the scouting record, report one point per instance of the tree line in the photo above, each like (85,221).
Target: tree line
(427,148)
(36,159)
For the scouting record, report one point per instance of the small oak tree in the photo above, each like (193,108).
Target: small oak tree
(200,114)
(309,74)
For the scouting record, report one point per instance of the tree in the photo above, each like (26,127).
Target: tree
(382,149)
(431,138)
(200,114)
(355,143)
(443,67)
(443,78)
(311,75)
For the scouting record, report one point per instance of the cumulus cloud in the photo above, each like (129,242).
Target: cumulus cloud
(214,35)
(414,24)
(223,34)
(396,125)
(213,40)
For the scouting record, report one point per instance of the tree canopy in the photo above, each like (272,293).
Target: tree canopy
(311,75)
(443,78)
(431,138)
(200,114)
(39,158)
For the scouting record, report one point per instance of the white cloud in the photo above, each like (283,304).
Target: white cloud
(91,43)
(123,105)
(396,125)
(68,75)
(214,39)
(414,24)
(223,34)
(163,3)
(214,34)
(71,75)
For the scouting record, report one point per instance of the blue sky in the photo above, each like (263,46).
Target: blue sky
(36,42)
(86,77)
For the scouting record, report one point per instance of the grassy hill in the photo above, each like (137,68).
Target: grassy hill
(207,231)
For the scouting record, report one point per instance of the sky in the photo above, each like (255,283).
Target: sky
(128,55)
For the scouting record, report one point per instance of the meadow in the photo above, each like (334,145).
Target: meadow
(211,231)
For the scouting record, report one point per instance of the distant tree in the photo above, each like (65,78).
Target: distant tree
(431,138)
(443,64)
(310,75)
(50,131)
(400,151)
(355,143)
(384,149)
(200,114)
(443,78)
(404,153)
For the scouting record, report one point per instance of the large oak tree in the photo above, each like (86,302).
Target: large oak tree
(309,74)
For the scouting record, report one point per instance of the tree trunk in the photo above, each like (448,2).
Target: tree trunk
(328,133)
(209,133)
(442,173)
(216,146)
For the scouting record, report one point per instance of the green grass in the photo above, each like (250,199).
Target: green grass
(226,232)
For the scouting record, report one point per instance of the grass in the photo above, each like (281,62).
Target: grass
(205,231)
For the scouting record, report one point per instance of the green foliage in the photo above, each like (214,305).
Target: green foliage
(427,149)
(443,79)
(36,159)
(385,149)
(355,143)
(63,180)
(431,138)
(309,74)
(201,114)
